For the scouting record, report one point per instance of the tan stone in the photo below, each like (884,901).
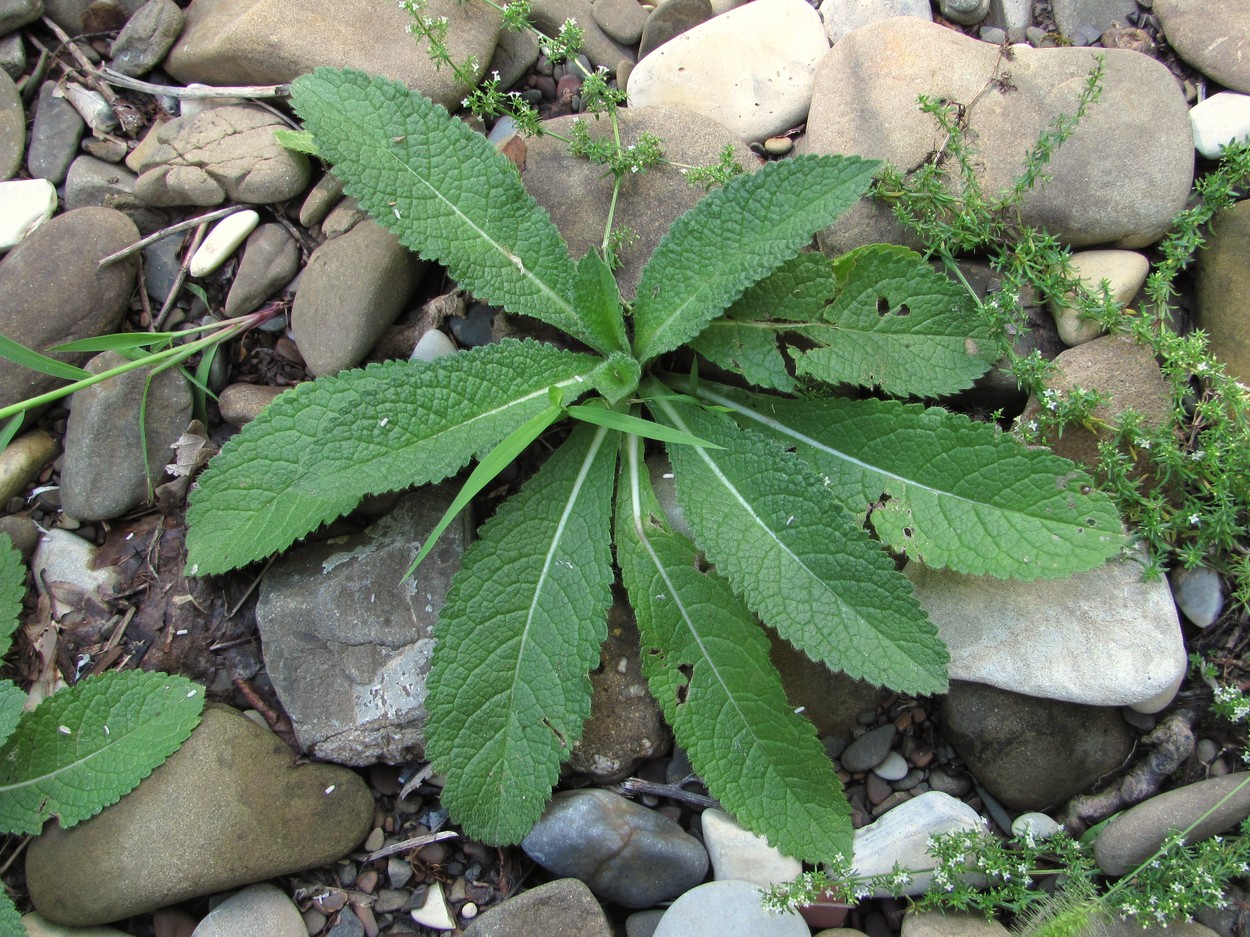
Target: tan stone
(1223,290)
(1124,271)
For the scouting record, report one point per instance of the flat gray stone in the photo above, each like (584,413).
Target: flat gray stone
(902,836)
(146,37)
(270,261)
(1071,15)
(54,135)
(845,16)
(669,20)
(12,128)
(559,908)
(92,181)
(257,909)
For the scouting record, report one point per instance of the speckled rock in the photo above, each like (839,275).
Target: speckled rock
(1223,290)
(1211,35)
(563,907)
(146,37)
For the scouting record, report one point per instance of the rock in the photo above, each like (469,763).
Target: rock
(23,459)
(435,913)
(222,241)
(37,926)
(256,909)
(54,135)
(1114,926)
(1133,836)
(1221,119)
(104,473)
(320,199)
(270,261)
(1096,15)
(750,69)
(830,701)
(67,563)
(727,909)
(893,767)
(564,906)
(25,204)
(1222,307)
(902,836)
(845,16)
(514,56)
(350,293)
(147,36)
(622,20)
(433,344)
(22,532)
(643,923)
(964,12)
(51,290)
(227,153)
(12,128)
(92,181)
(1125,272)
(740,855)
(92,107)
(1211,35)
(576,193)
(77,16)
(1199,594)
(601,50)
(950,924)
(1038,824)
(1100,638)
(625,725)
(1031,753)
(233,42)
(12,53)
(669,20)
(348,639)
(1121,176)
(230,807)
(624,852)
(14,14)
(870,749)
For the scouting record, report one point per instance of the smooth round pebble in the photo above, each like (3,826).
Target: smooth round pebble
(433,344)
(893,767)
(778,146)
(1038,823)
(25,204)
(22,459)
(727,909)
(257,909)
(1199,594)
(869,750)
(222,241)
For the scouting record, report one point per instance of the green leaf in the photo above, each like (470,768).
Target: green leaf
(800,561)
(320,447)
(733,238)
(12,699)
(29,358)
(625,423)
(899,325)
(121,341)
(301,141)
(12,590)
(444,191)
(598,300)
(10,919)
(86,746)
(10,429)
(509,686)
(949,492)
(706,661)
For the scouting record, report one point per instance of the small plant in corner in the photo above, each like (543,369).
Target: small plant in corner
(781,481)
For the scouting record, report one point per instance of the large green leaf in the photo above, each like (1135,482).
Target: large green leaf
(800,561)
(12,589)
(946,490)
(509,686)
(86,746)
(10,919)
(735,237)
(319,448)
(12,699)
(706,661)
(446,193)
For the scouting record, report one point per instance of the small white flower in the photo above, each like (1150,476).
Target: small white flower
(1195,520)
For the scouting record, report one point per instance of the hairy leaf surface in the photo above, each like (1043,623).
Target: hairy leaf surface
(896,324)
(86,746)
(12,699)
(733,238)
(445,192)
(950,492)
(509,686)
(706,661)
(12,589)
(799,560)
(319,448)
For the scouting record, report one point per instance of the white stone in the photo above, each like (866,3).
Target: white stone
(92,107)
(435,913)
(433,344)
(25,204)
(223,241)
(741,855)
(1039,824)
(1101,638)
(844,16)
(1124,271)
(727,909)
(902,836)
(62,557)
(1221,119)
(751,69)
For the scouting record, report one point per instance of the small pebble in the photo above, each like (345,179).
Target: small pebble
(778,146)
(222,241)
(1199,594)
(25,204)
(375,840)
(1039,823)
(435,914)
(468,911)
(993,35)
(1207,750)
(894,767)
(433,344)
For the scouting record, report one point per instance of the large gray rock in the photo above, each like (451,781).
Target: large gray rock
(845,16)
(1211,35)
(562,907)
(232,42)
(223,153)
(1031,753)
(1121,176)
(12,128)
(52,291)
(1095,15)
(146,37)
(54,135)
(104,473)
(14,14)
(1223,306)
(348,640)
(725,909)
(350,293)
(230,807)
(901,838)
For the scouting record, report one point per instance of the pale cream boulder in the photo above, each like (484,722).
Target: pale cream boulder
(1124,272)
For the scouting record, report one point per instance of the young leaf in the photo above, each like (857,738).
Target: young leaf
(800,561)
(301,141)
(526,614)
(896,324)
(706,661)
(735,237)
(29,358)
(953,493)
(598,300)
(444,191)
(12,589)
(86,746)
(319,448)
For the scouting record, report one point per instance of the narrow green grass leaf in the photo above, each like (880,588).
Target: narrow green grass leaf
(706,661)
(9,431)
(12,590)
(509,686)
(734,237)
(623,422)
(947,491)
(320,447)
(86,746)
(799,561)
(29,358)
(444,191)
(117,342)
